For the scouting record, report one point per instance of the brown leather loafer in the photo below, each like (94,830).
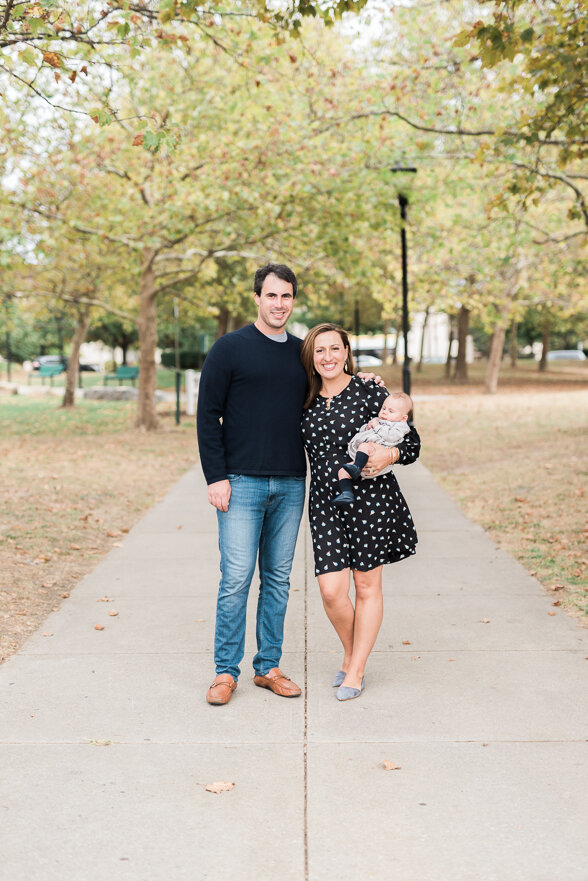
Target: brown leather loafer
(221,690)
(277,682)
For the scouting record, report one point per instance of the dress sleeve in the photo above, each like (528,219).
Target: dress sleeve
(410,447)
(376,395)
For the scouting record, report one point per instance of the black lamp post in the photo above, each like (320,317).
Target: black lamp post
(403,203)
(177,359)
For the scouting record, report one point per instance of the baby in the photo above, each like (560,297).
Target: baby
(387,429)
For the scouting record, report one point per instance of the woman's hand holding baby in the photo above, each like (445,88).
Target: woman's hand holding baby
(378,460)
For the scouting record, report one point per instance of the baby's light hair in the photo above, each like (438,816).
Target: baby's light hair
(403,399)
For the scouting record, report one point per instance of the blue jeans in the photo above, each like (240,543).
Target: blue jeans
(264,516)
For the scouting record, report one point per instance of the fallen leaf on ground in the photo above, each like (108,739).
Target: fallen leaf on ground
(219,786)
(75,548)
(406,642)
(47,634)
(105,600)
(390,766)
(180,526)
(485,621)
(64,596)
(556,587)
(451,660)
(112,613)
(100,742)
(113,533)
(552,613)
(200,620)
(98,626)
(556,603)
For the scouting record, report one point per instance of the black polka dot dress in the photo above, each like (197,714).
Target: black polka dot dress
(378,527)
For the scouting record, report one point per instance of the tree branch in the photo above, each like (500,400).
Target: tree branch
(436,131)
(6,17)
(564,180)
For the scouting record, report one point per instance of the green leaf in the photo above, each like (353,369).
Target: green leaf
(29,56)
(462,39)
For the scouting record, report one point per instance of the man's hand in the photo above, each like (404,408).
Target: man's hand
(378,460)
(377,379)
(219,494)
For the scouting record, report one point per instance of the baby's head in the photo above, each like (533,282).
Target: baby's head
(396,407)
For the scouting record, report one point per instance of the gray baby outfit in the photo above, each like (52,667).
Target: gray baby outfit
(388,434)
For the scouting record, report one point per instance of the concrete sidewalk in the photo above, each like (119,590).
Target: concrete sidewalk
(106,740)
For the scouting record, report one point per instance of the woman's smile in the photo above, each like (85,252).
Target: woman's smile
(329,354)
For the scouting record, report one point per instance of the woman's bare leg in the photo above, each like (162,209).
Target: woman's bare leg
(334,587)
(369,610)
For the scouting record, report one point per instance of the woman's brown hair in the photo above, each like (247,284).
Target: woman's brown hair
(307,357)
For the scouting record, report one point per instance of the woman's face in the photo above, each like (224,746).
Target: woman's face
(329,354)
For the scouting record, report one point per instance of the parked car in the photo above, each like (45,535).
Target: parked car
(48,361)
(566,355)
(368,361)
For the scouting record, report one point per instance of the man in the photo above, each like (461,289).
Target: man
(255,468)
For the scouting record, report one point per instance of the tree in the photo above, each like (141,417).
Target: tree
(60,52)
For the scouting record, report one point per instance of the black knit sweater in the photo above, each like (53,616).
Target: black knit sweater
(256,386)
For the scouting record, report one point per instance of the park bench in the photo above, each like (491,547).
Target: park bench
(123,372)
(49,370)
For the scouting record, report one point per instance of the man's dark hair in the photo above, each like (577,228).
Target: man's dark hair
(283,272)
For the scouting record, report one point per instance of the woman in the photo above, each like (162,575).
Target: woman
(378,527)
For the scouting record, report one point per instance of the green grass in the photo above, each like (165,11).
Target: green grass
(166,379)
(43,416)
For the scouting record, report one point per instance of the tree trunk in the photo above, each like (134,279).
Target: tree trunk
(514,343)
(146,410)
(463,325)
(71,377)
(419,366)
(495,356)
(449,345)
(545,338)
(237,321)
(223,322)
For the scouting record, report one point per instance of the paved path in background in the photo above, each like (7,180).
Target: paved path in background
(106,739)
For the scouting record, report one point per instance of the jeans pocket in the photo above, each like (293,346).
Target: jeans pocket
(234,477)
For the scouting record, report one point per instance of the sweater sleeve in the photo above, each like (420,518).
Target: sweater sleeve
(213,389)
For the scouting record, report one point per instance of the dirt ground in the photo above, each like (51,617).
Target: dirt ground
(67,500)
(73,483)
(517,465)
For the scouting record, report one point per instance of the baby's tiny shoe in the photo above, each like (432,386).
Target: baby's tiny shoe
(344,498)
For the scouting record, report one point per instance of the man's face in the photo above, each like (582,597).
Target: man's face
(274,304)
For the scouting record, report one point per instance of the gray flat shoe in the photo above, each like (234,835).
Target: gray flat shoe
(339,677)
(345,693)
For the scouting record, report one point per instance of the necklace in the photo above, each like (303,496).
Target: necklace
(329,398)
